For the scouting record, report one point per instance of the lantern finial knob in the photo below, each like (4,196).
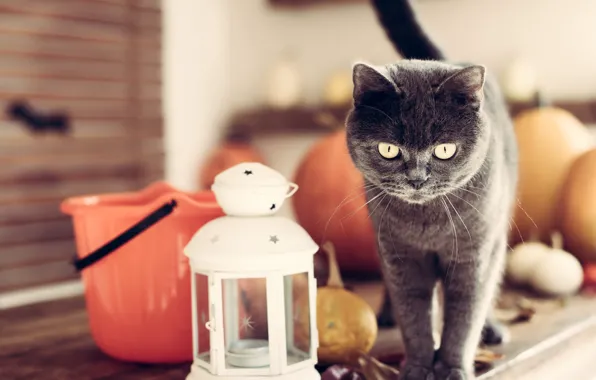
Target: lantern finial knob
(251,189)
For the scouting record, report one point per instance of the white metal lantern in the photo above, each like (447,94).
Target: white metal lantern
(253,285)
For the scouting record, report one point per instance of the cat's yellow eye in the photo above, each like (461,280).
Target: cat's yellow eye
(388,151)
(445,151)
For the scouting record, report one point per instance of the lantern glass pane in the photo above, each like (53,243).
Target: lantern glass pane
(203,317)
(246,335)
(297,312)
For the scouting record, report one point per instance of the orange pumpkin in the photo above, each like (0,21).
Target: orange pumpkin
(330,204)
(590,276)
(225,156)
(346,323)
(549,140)
(578,208)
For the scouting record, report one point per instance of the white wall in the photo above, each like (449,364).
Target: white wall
(196,83)
(210,41)
(558,36)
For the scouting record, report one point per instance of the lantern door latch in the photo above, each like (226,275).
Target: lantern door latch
(210,326)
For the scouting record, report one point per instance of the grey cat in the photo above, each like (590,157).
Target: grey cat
(436,146)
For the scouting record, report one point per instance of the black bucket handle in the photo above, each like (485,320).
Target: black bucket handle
(125,236)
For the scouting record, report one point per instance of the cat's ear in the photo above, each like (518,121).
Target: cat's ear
(369,80)
(465,87)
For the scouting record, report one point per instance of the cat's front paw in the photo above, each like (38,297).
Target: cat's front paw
(415,372)
(443,372)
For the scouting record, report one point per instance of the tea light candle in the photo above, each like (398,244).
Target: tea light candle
(249,353)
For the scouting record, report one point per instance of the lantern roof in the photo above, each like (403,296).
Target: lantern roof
(232,241)
(250,236)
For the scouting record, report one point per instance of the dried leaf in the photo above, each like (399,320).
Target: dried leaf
(524,311)
(375,370)
(524,314)
(485,358)
(342,372)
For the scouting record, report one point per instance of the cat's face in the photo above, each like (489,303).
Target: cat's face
(417,130)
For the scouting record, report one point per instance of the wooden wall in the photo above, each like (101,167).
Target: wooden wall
(100,61)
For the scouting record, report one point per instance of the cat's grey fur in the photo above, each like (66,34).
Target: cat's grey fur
(452,228)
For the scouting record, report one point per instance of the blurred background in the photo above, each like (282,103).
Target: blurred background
(102,96)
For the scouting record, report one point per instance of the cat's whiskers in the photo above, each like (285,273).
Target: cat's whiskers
(517,228)
(462,222)
(378,203)
(348,198)
(481,214)
(511,219)
(469,191)
(341,221)
(365,204)
(459,216)
(524,211)
(471,205)
(455,239)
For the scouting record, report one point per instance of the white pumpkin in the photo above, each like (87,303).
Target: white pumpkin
(522,261)
(559,273)
(550,271)
(338,89)
(520,81)
(284,86)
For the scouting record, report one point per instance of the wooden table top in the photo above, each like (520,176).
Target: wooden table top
(51,341)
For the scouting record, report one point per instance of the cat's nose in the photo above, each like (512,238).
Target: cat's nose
(417,183)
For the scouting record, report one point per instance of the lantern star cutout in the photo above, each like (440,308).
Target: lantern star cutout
(273,239)
(247,323)
(248,172)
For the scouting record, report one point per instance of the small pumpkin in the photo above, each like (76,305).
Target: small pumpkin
(346,323)
(519,80)
(331,204)
(339,88)
(284,84)
(578,208)
(522,260)
(226,155)
(550,271)
(558,273)
(551,138)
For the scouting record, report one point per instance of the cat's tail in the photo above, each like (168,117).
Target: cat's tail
(405,32)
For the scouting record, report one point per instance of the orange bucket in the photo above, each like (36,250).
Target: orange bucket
(136,278)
